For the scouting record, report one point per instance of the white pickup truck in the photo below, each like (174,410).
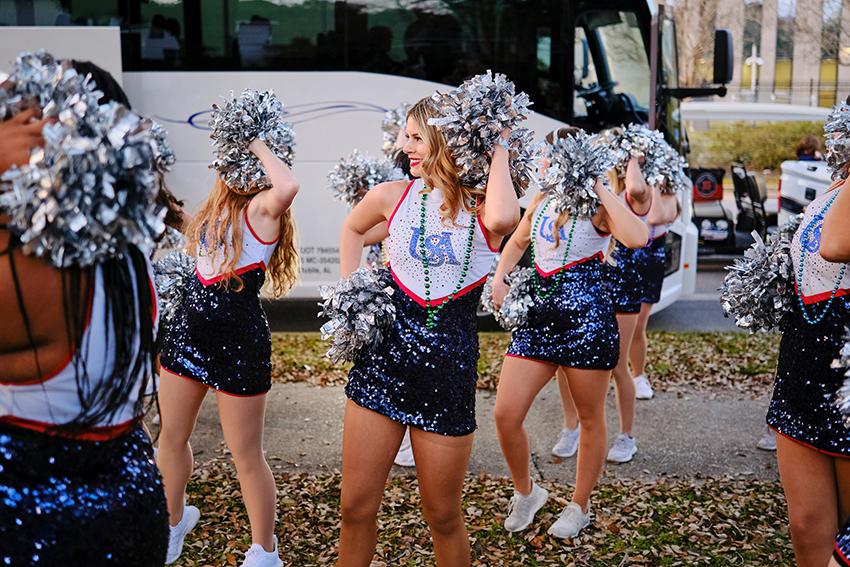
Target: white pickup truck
(801,183)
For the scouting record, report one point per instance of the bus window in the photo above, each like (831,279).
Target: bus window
(584,72)
(622,46)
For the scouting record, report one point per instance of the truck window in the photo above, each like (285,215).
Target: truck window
(624,52)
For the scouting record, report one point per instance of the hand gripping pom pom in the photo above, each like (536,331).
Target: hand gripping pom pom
(837,135)
(394,121)
(90,191)
(638,141)
(842,397)
(575,163)
(361,313)
(235,124)
(172,274)
(759,288)
(520,296)
(354,175)
(472,117)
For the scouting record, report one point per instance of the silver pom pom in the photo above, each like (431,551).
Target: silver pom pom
(394,121)
(575,163)
(638,141)
(235,124)
(361,313)
(837,136)
(672,170)
(163,154)
(172,274)
(172,239)
(842,397)
(520,297)
(90,192)
(759,288)
(790,227)
(472,116)
(354,175)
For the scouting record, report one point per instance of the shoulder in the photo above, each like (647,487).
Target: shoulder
(389,191)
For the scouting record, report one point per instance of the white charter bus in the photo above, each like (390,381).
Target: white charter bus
(338,65)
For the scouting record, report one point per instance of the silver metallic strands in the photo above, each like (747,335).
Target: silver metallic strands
(394,122)
(759,288)
(361,313)
(254,114)
(575,163)
(842,397)
(638,141)
(672,170)
(90,192)
(520,296)
(354,175)
(472,116)
(172,275)
(163,154)
(837,136)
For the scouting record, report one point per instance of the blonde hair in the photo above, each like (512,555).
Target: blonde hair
(439,168)
(210,228)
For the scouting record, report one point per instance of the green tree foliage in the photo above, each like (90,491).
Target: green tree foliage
(763,145)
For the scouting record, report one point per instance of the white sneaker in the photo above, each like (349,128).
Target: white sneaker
(404,457)
(177,533)
(643,391)
(256,556)
(623,449)
(571,521)
(567,444)
(521,509)
(767,442)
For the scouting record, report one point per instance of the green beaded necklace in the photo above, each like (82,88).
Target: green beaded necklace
(432,311)
(557,278)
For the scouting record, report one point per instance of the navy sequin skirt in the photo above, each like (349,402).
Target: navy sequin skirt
(842,546)
(421,377)
(806,384)
(221,338)
(637,276)
(575,326)
(69,502)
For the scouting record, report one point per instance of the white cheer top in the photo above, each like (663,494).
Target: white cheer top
(819,275)
(53,399)
(256,253)
(445,243)
(588,242)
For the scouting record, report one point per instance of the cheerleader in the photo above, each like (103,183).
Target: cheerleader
(624,278)
(812,444)
(77,478)
(442,241)
(571,325)
(221,341)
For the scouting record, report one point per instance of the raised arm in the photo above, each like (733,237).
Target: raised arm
(373,210)
(501,206)
(835,234)
(621,222)
(664,207)
(638,193)
(274,202)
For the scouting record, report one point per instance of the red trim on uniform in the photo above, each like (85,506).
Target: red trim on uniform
(155,308)
(400,201)
(812,447)
(239,271)
(839,556)
(519,356)
(216,390)
(631,208)
(67,360)
(600,232)
(484,231)
(434,302)
(811,299)
(103,433)
(254,234)
(568,266)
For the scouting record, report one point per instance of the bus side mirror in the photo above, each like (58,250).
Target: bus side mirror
(723,57)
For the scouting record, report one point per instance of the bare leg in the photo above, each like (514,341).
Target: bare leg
(808,478)
(369,445)
(637,350)
(589,388)
(520,381)
(567,403)
(179,402)
(441,469)
(623,381)
(242,423)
